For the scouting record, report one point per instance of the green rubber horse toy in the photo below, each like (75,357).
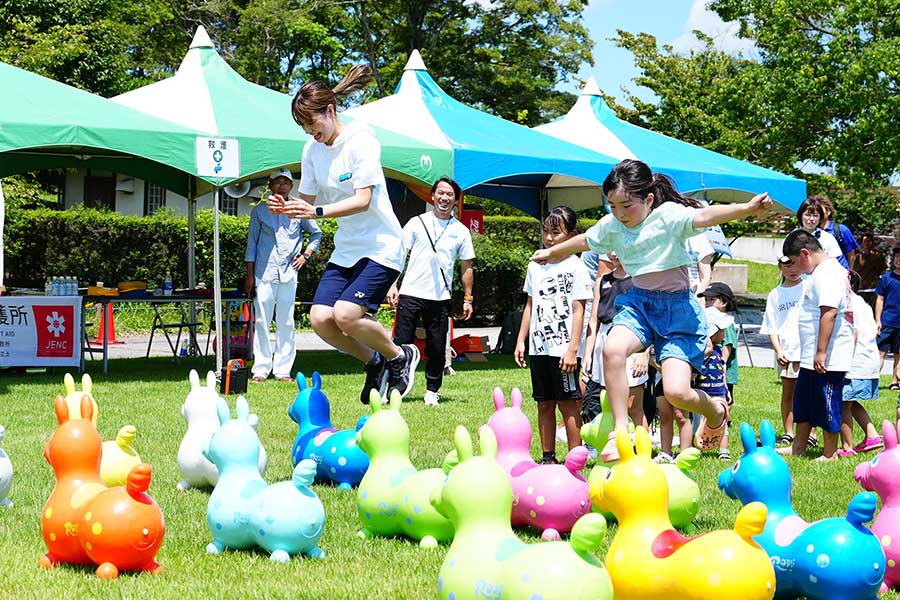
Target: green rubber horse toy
(393,497)
(487,560)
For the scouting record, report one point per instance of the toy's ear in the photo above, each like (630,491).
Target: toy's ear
(243,409)
(623,444)
(488,442)
(194,378)
(463,442)
(515,398)
(642,442)
(301,381)
(767,434)
(87,407)
(317,380)
(499,399)
(69,382)
(86,383)
(748,438)
(890,434)
(62,409)
(375,401)
(396,400)
(210,381)
(223,411)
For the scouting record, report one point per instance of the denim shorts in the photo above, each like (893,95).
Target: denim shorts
(672,322)
(817,399)
(366,283)
(889,339)
(860,389)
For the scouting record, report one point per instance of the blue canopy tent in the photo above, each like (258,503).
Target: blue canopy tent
(491,157)
(697,171)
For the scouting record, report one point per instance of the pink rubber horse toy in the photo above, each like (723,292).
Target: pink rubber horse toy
(882,476)
(547,497)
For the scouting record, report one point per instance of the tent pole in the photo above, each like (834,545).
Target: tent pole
(191,267)
(217,286)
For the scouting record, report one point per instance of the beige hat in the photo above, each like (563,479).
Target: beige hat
(716,320)
(281,173)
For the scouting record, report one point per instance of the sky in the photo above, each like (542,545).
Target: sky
(671,21)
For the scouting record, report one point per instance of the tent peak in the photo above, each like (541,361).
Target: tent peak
(591,88)
(415,62)
(201,39)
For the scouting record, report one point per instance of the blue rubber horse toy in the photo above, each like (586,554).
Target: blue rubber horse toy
(834,559)
(285,518)
(338,458)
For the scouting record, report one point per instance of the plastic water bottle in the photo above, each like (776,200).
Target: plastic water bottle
(183,351)
(54,286)
(74,285)
(48,287)
(167,286)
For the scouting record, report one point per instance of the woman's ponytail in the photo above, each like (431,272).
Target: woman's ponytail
(314,97)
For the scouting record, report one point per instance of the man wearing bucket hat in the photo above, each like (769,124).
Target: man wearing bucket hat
(273,258)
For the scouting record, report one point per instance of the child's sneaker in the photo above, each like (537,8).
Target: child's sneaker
(664,458)
(869,444)
(432,398)
(375,378)
(841,453)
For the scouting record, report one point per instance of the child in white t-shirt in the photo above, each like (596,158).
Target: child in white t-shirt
(552,326)
(780,324)
(861,383)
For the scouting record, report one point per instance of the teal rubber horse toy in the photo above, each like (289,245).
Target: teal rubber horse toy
(393,496)
(487,560)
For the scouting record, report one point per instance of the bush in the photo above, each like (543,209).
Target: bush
(106,246)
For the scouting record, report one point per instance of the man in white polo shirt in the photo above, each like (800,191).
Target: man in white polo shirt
(435,240)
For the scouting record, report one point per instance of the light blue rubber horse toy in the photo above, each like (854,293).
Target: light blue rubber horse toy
(338,458)
(834,559)
(285,518)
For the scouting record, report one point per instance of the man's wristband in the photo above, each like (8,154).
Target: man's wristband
(468,299)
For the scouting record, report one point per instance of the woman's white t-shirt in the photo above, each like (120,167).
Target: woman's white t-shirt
(782,310)
(333,173)
(866,362)
(554,288)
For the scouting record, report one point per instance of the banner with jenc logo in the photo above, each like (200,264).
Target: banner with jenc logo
(37,331)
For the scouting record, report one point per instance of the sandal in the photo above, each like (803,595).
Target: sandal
(894,387)
(258,379)
(786,440)
(708,438)
(724,454)
(285,378)
(812,442)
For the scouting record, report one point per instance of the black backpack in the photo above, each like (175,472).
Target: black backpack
(839,236)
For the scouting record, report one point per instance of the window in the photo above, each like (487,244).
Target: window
(154,198)
(228,205)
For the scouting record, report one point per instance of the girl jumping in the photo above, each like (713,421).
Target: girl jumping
(649,224)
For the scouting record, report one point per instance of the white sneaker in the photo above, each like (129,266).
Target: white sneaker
(593,453)
(432,398)
(561,435)
(664,458)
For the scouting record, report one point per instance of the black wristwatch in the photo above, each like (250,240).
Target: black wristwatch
(320,212)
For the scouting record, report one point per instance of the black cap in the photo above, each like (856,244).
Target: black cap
(721,290)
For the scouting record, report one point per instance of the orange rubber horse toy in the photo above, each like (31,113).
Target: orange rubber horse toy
(84,522)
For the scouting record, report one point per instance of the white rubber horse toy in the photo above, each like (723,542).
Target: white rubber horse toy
(6,473)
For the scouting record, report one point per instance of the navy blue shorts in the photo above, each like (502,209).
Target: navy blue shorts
(817,399)
(366,283)
(889,339)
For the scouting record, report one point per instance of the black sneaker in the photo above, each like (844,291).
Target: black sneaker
(548,460)
(401,371)
(375,379)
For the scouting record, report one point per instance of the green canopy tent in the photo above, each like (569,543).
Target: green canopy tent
(207,94)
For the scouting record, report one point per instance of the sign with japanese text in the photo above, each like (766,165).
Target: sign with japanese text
(218,157)
(40,331)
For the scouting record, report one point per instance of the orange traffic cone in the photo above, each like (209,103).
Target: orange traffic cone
(108,331)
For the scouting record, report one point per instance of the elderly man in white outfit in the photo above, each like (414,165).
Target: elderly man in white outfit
(273,257)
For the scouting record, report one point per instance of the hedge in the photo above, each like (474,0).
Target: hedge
(106,246)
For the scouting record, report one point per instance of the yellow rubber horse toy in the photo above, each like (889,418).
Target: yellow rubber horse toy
(649,559)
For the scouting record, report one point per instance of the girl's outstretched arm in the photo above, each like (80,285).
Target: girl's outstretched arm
(722,213)
(570,246)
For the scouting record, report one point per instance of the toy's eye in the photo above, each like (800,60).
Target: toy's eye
(736,466)
(875,461)
(609,475)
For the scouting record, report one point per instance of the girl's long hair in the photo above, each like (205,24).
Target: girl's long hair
(314,97)
(634,178)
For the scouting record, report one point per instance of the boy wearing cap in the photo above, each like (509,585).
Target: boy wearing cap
(719,296)
(825,323)
(273,258)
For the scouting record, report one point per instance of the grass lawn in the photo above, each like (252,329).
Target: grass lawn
(149,394)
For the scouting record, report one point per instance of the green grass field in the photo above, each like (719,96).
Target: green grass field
(149,394)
